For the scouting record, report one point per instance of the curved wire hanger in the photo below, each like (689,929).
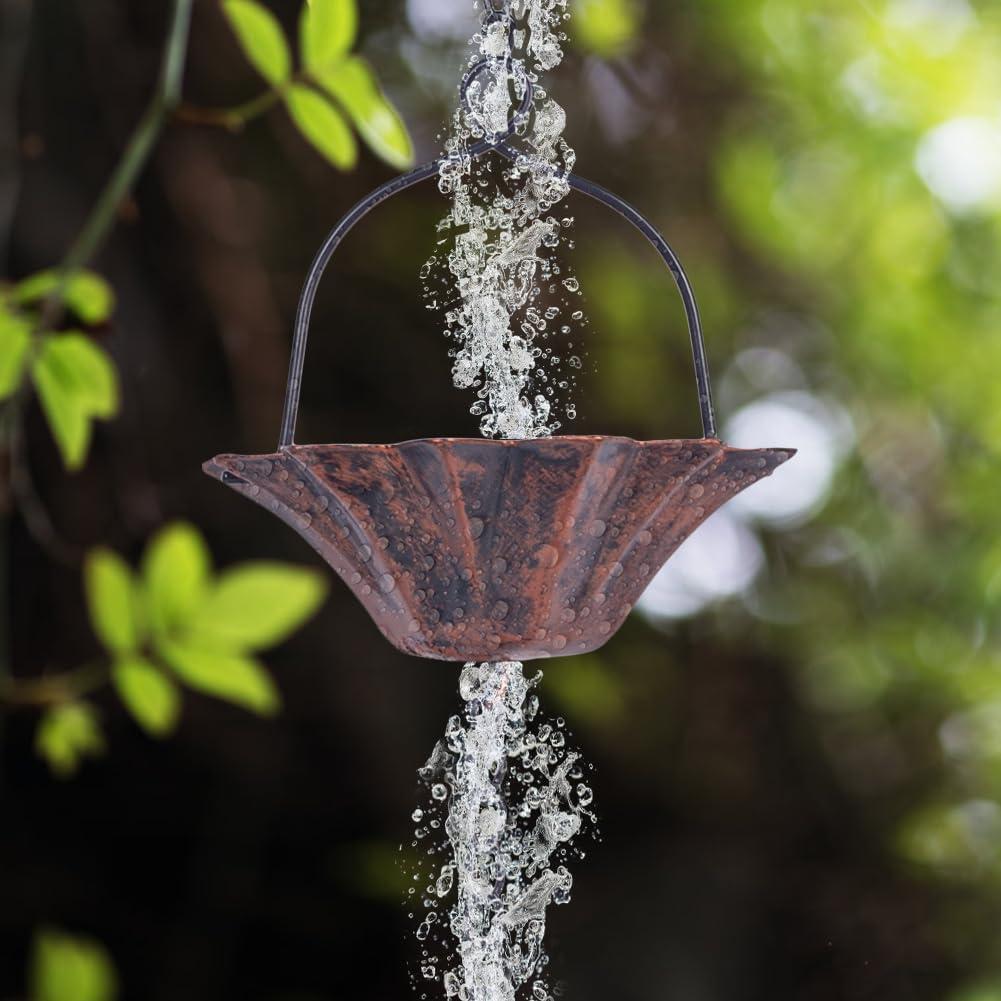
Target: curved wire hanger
(500,145)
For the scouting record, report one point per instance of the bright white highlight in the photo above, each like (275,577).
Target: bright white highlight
(441,19)
(960,161)
(796,491)
(720,560)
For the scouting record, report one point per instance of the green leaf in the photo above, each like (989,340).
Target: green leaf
(15,338)
(113,601)
(176,571)
(76,382)
(327,31)
(354,85)
(71,968)
(261,38)
(151,697)
(255,606)
(86,293)
(323,125)
(606,27)
(240,680)
(66,734)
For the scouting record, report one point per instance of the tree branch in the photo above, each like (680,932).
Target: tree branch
(102,217)
(54,690)
(234,118)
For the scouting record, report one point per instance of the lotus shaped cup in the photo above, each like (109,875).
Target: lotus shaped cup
(467,549)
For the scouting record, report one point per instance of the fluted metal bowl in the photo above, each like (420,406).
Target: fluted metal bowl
(497,550)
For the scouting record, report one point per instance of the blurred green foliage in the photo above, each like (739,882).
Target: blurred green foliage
(176,623)
(331,88)
(71,968)
(606,27)
(855,176)
(74,377)
(820,172)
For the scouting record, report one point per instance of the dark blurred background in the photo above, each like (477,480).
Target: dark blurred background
(797,736)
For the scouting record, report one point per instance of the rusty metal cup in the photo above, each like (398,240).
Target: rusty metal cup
(476,550)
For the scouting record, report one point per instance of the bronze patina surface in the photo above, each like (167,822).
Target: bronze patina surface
(469,549)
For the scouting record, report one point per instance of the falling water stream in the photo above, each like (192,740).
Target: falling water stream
(506,798)
(504,292)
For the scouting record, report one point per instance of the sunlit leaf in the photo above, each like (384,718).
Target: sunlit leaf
(237,679)
(15,339)
(606,27)
(354,85)
(323,125)
(327,31)
(86,293)
(113,601)
(256,605)
(176,571)
(149,695)
(66,734)
(71,968)
(76,382)
(261,38)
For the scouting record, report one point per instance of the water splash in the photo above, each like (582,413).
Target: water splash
(506,803)
(506,799)
(496,274)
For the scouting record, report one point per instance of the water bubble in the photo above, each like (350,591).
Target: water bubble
(547,556)
(387,582)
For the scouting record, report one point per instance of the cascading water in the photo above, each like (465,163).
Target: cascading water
(505,293)
(507,801)
(506,798)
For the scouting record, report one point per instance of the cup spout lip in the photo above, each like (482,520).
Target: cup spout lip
(225,468)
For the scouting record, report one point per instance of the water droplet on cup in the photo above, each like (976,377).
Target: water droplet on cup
(548,556)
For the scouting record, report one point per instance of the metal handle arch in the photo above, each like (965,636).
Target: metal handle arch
(400,184)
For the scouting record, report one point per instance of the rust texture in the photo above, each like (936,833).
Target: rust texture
(466,549)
